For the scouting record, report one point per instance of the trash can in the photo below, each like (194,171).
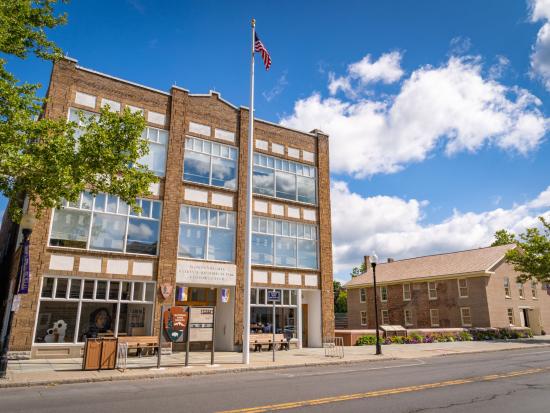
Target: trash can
(100,354)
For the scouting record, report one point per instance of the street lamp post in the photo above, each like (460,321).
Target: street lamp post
(374,261)
(27,222)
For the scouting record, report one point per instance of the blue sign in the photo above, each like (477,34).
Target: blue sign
(274,295)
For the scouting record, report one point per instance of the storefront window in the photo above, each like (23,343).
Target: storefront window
(261,313)
(109,227)
(99,308)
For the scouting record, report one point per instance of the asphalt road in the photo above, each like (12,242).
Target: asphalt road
(506,381)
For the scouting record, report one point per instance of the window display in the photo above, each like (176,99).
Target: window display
(261,313)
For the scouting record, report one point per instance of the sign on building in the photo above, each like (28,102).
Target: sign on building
(206,273)
(201,324)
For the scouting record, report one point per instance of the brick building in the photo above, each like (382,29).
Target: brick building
(97,266)
(474,288)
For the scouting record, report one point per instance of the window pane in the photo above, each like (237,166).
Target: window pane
(135,319)
(125,295)
(88,289)
(61,290)
(253,296)
(150,292)
(75,288)
(101,292)
(262,249)
(70,228)
(192,241)
(114,288)
(47,287)
(221,244)
(138,291)
(285,185)
(100,200)
(142,236)
(96,319)
(224,173)
(156,210)
(285,252)
(261,297)
(108,232)
(196,167)
(263,181)
(306,189)
(87,200)
(112,204)
(307,253)
(56,322)
(155,160)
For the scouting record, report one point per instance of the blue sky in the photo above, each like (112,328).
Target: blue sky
(443,105)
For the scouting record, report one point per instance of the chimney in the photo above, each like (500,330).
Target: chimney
(366,260)
(390,260)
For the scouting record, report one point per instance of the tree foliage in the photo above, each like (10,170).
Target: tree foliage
(503,237)
(51,159)
(531,259)
(358,270)
(340,298)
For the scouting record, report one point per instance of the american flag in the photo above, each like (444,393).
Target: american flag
(259,47)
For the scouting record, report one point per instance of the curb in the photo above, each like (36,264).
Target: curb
(233,370)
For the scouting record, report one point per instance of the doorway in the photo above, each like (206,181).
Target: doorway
(304,325)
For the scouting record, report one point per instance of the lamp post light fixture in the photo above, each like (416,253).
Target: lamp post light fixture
(20,286)
(374,261)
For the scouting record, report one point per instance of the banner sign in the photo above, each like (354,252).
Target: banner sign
(24,269)
(225,295)
(201,323)
(175,323)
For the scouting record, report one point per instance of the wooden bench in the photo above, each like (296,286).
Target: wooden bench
(257,341)
(141,343)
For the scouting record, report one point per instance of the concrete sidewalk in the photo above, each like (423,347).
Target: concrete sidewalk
(63,371)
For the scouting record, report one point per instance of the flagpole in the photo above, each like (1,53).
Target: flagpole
(248,226)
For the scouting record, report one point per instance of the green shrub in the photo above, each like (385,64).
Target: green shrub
(464,336)
(368,340)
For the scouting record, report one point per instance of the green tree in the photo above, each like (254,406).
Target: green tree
(503,237)
(45,159)
(531,258)
(340,297)
(358,270)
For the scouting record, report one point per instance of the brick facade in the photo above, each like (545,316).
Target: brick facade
(486,300)
(179,108)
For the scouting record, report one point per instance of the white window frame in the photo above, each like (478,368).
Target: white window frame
(363,316)
(80,300)
(408,320)
(460,295)
(290,167)
(407,290)
(464,324)
(521,290)
(434,315)
(385,315)
(362,295)
(271,230)
(534,292)
(385,289)
(293,303)
(200,210)
(432,292)
(190,146)
(507,290)
(511,317)
(92,211)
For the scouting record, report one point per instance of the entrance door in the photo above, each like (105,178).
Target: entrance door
(304,325)
(526,317)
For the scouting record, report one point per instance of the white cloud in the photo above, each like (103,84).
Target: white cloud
(460,45)
(453,105)
(277,89)
(540,56)
(394,227)
(387,69)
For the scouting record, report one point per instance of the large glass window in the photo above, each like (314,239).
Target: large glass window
(261,313)
(206,234)
(102,311)
(284,243)
(105,223)
(284,179)
(210,163)
(157,139)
